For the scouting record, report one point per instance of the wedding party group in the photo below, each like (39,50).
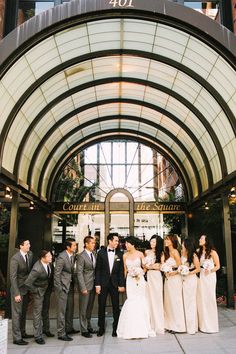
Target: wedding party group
(167,290)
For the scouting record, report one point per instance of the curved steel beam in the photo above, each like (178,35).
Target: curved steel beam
(164,150)
(108,101)
(131,118)
(142,54)
(140,82)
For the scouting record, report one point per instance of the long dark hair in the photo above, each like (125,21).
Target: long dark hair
(208,248)
(159,247)
(175,243)
(190,248)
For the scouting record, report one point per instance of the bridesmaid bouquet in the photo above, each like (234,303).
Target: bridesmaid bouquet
(148,261)
(207,264)
(136,272)
(183,269)
(166,268)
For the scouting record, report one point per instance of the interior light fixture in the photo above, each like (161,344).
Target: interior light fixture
(206,206)
(8,193)
(232,193)
(31,206)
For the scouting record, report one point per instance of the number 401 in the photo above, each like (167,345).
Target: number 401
(121,3)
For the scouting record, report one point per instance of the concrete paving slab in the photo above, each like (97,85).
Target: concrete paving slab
(219,343)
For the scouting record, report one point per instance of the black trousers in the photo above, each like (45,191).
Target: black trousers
(102,298)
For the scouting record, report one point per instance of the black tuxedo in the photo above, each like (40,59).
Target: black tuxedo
(109,282)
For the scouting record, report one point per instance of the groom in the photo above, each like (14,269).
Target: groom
(109,279)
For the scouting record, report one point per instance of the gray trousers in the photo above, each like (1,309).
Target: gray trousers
(37,315)
(18,311)
(85,310)
(65,311)
(45,310)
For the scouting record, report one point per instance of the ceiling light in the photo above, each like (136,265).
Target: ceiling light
(8,193)
(31,206)
(232,193)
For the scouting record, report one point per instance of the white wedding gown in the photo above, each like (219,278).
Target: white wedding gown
(134,321)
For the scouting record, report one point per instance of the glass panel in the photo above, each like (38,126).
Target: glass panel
(125,164)
(119,223)
(146,225)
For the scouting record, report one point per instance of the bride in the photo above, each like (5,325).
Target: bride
(134,321)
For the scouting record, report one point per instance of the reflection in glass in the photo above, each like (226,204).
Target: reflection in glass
(28,9)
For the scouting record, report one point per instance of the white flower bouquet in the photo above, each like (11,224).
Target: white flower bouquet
(166,268)
(183,269)
(136,272)
(208,264)
(148,261)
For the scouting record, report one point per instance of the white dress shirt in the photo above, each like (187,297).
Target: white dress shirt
(111,258)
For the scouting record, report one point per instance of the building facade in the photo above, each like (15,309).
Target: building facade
(156,73)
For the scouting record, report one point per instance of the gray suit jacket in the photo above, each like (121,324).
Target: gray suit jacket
(38,280)
(85,271)
(63,273)
(19,273)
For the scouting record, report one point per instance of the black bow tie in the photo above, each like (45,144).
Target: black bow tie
(109,250)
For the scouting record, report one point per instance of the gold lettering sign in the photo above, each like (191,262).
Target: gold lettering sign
(159,207)
(78,207)
(143,207)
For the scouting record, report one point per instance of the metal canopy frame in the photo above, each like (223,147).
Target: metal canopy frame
(202,170)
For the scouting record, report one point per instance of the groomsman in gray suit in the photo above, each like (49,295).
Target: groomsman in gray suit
(37,282)
(20,266)
(86,262)
(64,290)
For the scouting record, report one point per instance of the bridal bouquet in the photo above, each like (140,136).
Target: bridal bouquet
(208,264)
(183,269)
(136,272)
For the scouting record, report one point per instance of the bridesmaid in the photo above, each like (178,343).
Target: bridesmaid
(206,295)
(173,299)
(191,265)
(155,283)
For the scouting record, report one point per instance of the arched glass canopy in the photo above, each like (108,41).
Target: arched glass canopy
(149,74)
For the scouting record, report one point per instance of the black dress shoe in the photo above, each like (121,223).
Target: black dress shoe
(91,330)
(114,334)
(49,334)
(20,342)
(39,341)
(100,332)
(73,331)
(65,338)
(86,335)
(25,335)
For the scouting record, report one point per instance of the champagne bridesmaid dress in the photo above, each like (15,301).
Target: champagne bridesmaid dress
(206,299)
(173,301)
(190,299)
(155,300)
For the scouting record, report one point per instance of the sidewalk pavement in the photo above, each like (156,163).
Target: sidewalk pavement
(222,342)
